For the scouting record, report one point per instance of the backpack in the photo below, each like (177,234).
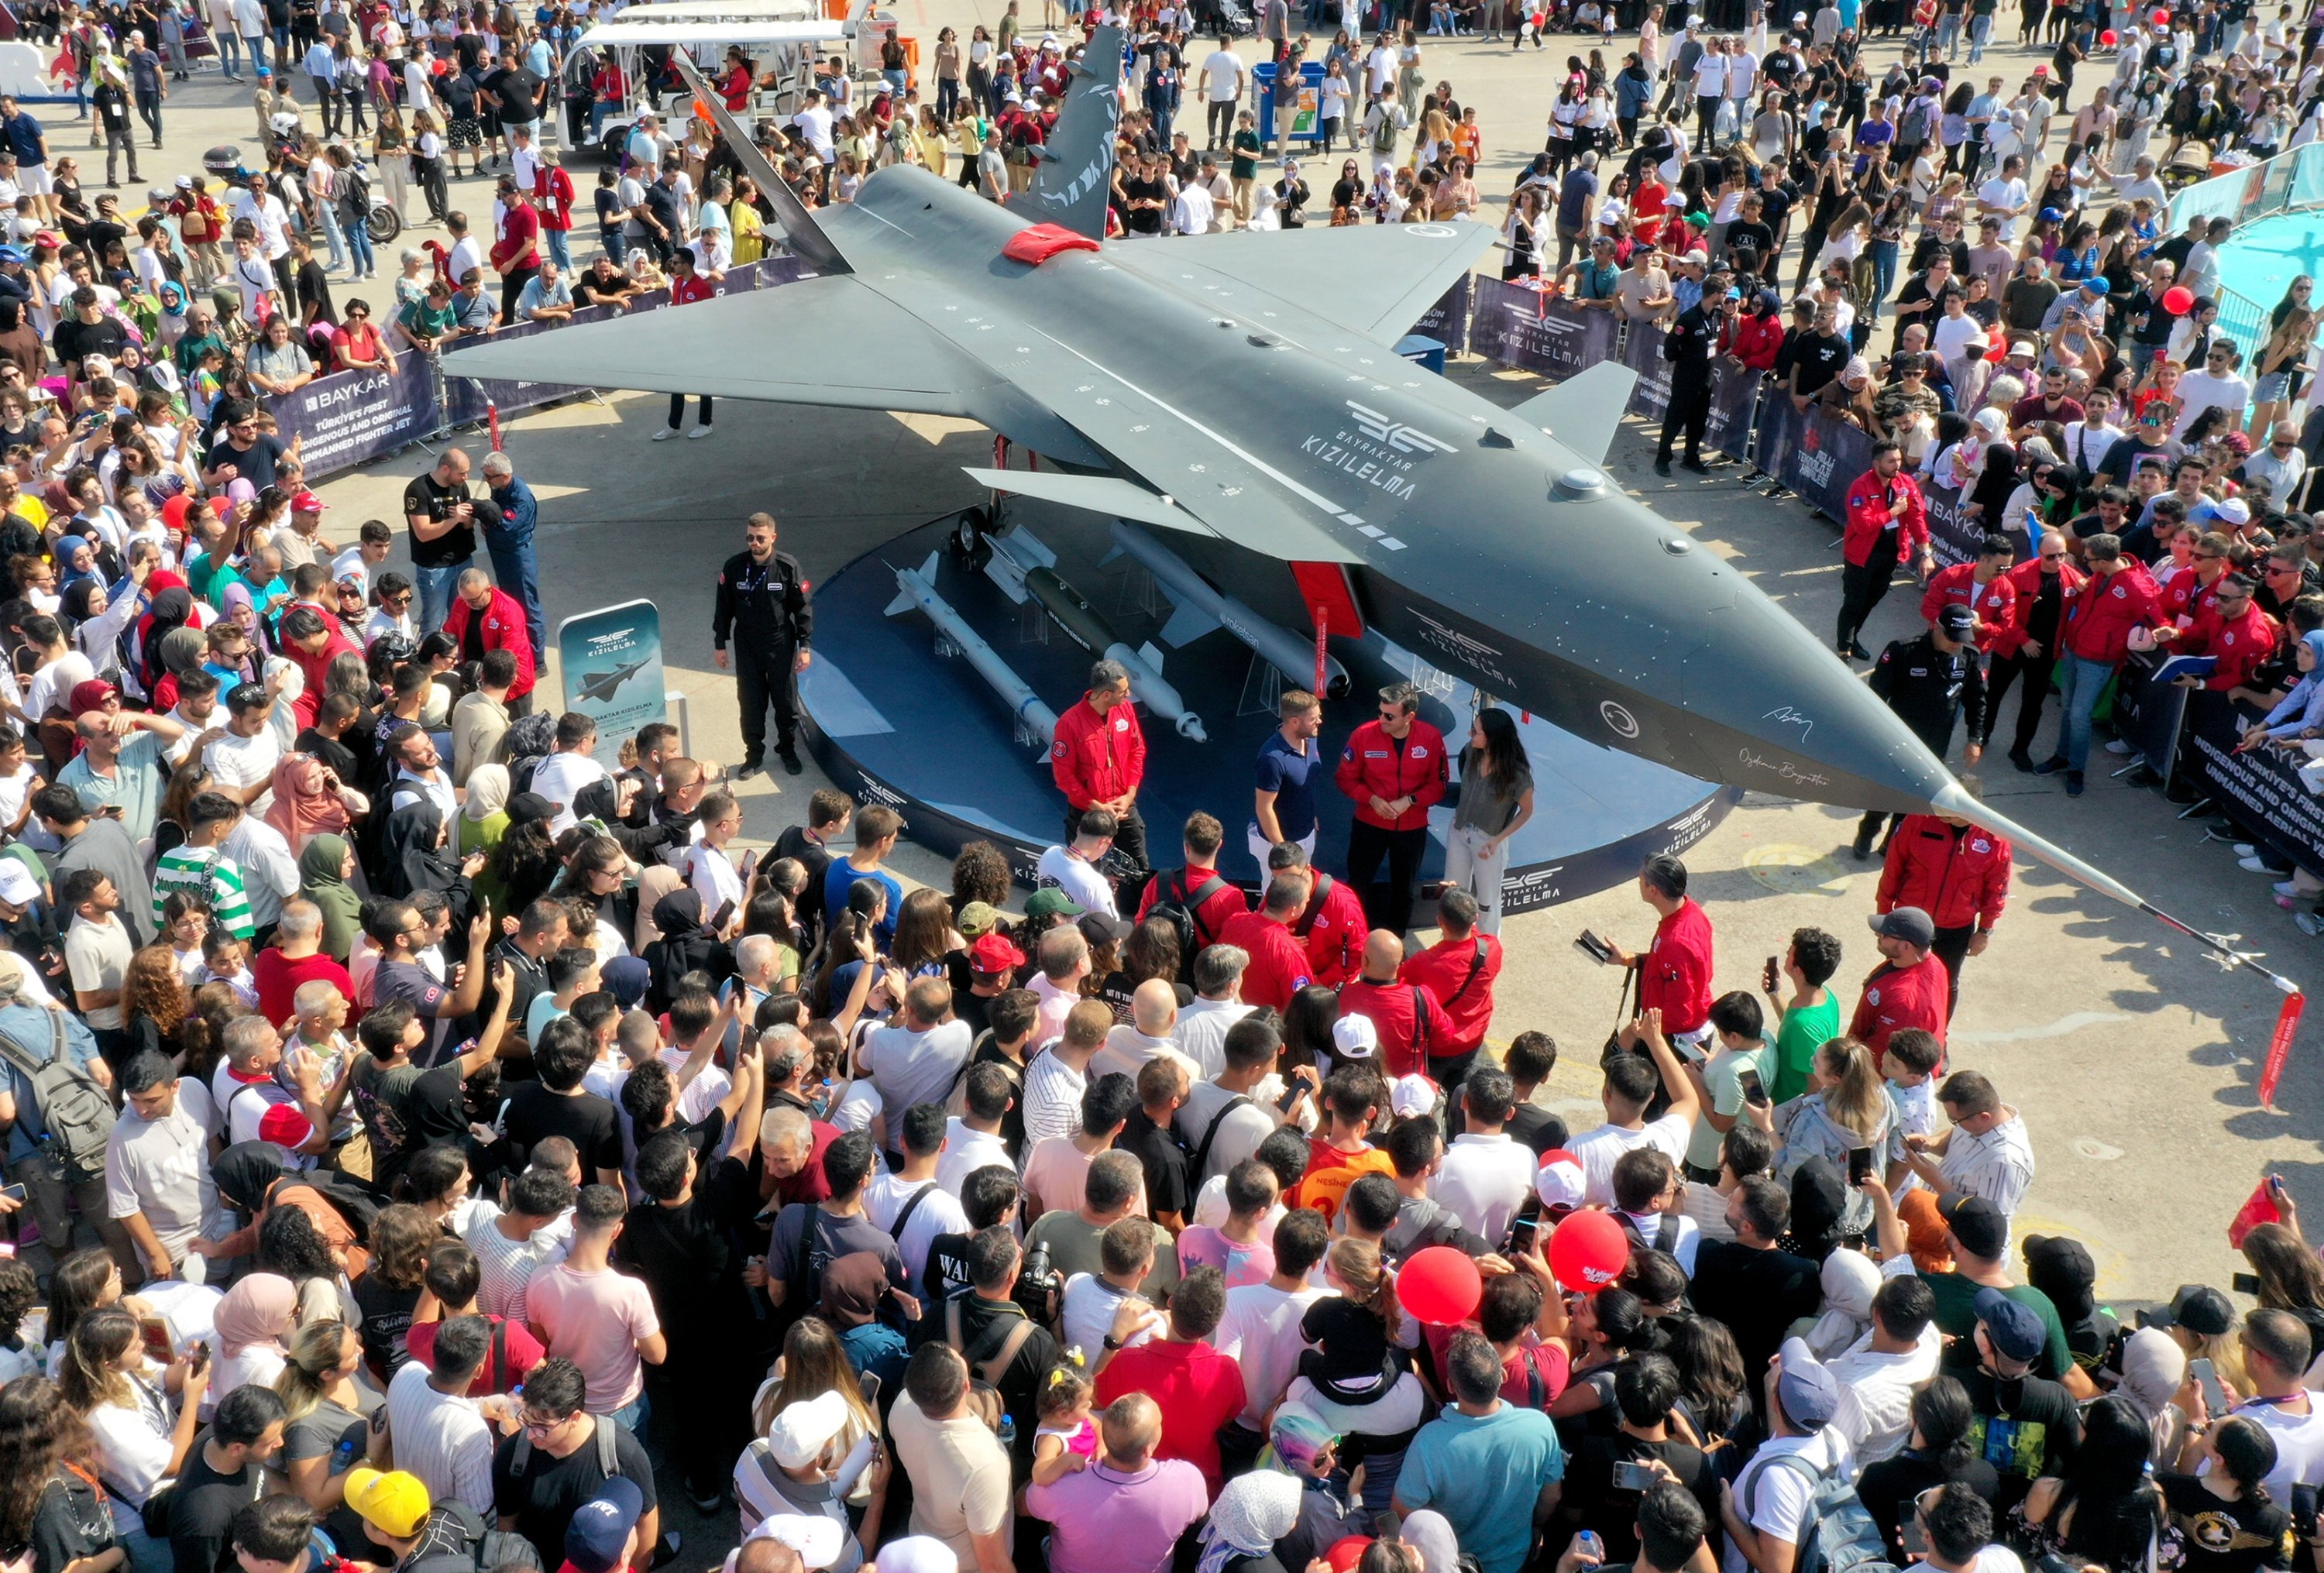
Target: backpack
(609,1453)
(1837,1534)
(1183,911)
(1666,1233)
(482,1550)
(75,1114)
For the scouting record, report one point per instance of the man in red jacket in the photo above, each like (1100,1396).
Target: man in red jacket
(1407,1019)
(1887,520)
(2118,598)
(1331,924)
(1910,988)
(1219,902)
(1956,872)
(1677,964)
(1459,972)
(2234,632)
(517,253)
(485,617)
(312,641)
(552,199)
(2047,584)
(1278,965)
(1393,769)
(1982,585)
(1098,758)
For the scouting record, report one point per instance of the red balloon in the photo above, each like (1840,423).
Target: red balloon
(1344,1554)
(2178,300)
(1440,1284)
(2109,38)
(2000,350)
(2163,19)
(1587,1251)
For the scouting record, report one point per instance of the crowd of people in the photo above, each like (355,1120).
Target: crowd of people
(1169,1224)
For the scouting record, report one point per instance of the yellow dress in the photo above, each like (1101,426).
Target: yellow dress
(749,229)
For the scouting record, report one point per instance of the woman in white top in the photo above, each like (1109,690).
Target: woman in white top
(1845,1108)
(141,1444)
(251,1322)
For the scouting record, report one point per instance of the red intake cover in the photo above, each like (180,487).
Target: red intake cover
(1038,242)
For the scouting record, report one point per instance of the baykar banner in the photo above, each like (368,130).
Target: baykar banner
(352,417)
(1515,327)
(611,661)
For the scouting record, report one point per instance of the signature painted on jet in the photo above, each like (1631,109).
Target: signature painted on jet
(1784,770)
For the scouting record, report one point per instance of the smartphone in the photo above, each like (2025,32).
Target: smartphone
(1755,1091)
(1914,1539)
(1770,976)
(13,1192)
(2245,1283)
(1860,1165)
(1632,1477)
(155,1332)
(1692,1054)
(1596,949)
(1532,1226)
(2207,1377)
(1290,1096)
(750,864)
(726,916)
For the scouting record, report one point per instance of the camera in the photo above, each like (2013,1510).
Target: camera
(1040,1287)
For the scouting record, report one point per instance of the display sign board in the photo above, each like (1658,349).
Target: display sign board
(611,663)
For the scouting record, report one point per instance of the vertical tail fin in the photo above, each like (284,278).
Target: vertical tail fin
(1075,171)
(801,234)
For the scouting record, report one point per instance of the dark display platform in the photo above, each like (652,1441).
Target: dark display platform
(896,715)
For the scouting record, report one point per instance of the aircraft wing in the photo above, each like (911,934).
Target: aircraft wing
(829,340)
(1371,278)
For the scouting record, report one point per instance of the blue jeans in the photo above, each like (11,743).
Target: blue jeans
(1949,28)
(2079,682)
(617,246)
(1980,30)
(359,253)
(1883,253)
(634,1416)
(229,49)
(146,1554)
(560,247)
(516,570)
(435,587)
(2142,356)
(328,221)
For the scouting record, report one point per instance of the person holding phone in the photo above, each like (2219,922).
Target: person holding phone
(710,868)
(1609,1476)
(1628,1089)
(1738,1024)
(1810,1018)
(1676,966)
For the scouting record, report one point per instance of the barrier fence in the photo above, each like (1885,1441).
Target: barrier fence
(2290,180)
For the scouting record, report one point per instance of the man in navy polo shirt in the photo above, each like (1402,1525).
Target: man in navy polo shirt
(1282,796)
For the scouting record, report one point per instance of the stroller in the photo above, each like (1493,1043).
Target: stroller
(2190,163)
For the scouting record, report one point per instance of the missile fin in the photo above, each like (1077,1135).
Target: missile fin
(1584,411)
(1153,657)
(1187,624)
(901,604)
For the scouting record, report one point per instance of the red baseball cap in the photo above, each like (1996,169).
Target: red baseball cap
(307,502)
(992,955)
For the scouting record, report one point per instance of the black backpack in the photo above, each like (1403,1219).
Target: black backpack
(482,1550)
(1182,910)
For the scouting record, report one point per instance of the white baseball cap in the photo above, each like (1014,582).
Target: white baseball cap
(805,1428)
(1560,1182)
(1353,1035)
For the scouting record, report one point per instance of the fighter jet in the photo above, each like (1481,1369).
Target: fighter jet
(602,684)
(1177,384)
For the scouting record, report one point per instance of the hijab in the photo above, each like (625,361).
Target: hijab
(304,807)
(1253,1511)
(320,862)
(1429,1533)
(686,945)
(170,608)
(409,857)
(245,1172)
(255,1313)
(488,792)
(1850,1282)
(1819,1204)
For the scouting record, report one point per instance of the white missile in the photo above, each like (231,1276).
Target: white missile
(1035,720)
(1202,609)
(1022,565)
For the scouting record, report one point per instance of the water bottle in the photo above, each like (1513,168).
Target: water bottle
(343,1459)
(1008,1430)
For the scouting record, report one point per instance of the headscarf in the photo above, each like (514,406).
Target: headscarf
(255,1313)
(488,792)
(410,859)
(319,863)
(686,945)
(303,806)
(245,1172)
(853,1286)
(1252,1512)
(1295,1440)
(1429,1533)
(1850,1282)
(171,608)
(1819,1204)
(2154,1369)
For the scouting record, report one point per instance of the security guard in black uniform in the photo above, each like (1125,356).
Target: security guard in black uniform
(1692,348)
(762,602)
(1930,682)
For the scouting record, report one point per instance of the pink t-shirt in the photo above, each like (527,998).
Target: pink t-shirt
(1204,1247)
(1102,1521)
(595,1319)
(1057,1170)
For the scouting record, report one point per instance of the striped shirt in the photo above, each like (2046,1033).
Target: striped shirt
(1997,1165)
(209,874)
(1052,1098)
(505,1266)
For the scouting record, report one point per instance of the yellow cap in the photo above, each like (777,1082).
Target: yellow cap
(394,1503)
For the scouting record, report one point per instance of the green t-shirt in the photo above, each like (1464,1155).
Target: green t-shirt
(1718,1077)
(1956,1317)
(1244,163)
(1804,1031)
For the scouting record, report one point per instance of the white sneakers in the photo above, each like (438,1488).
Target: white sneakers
(665,433)
(698,433)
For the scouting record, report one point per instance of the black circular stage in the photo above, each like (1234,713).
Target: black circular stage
(930,649)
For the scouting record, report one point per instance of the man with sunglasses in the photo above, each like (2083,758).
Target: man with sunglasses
(2281,463)
(2285,577)
(1394,768)
(2215,386)
(558,1456)
(2238,635)
(2148,441)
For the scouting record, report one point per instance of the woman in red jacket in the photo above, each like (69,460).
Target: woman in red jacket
(1753,339)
